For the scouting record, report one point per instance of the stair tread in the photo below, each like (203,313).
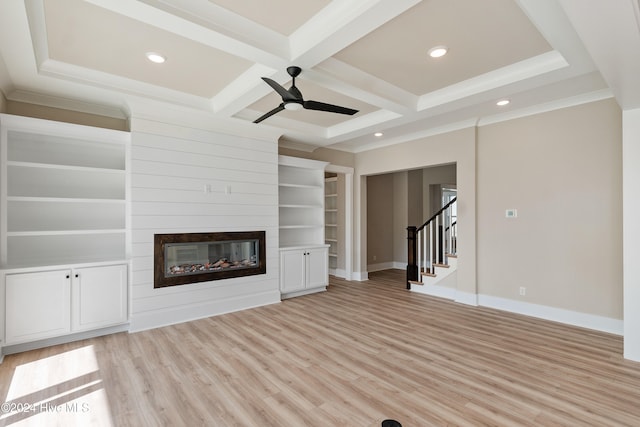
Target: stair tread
(413,282)
(451,255)
(428,274)
(442,265)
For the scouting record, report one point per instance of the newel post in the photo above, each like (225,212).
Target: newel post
(412,265)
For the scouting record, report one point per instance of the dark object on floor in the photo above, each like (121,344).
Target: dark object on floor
(391,423)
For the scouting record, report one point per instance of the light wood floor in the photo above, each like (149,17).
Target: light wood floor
(353,356)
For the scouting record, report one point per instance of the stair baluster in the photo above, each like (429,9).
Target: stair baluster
(430,243)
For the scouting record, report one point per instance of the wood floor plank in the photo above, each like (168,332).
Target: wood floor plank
(355,355)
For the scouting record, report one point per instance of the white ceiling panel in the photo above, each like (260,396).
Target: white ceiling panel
(369,55)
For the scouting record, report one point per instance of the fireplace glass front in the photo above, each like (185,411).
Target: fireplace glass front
(196,257)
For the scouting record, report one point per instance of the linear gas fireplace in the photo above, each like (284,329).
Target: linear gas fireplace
(200,257)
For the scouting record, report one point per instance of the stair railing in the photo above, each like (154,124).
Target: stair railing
(429,244)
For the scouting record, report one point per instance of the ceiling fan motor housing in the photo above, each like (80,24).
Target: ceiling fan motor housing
(294,71)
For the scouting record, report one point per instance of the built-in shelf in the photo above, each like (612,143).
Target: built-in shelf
(301,201)
(303,252)
(63,193)
(331,219)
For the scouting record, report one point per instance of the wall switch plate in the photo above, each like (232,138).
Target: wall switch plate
(511,213)
(523,291)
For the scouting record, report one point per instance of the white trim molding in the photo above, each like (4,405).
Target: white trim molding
(569,317)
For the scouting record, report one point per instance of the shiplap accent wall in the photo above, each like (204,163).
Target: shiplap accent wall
(192,180)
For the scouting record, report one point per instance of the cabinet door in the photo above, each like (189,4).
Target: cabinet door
(292,270)
(317,267)
(99,297)
(37,305)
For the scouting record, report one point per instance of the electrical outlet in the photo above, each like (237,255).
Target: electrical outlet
(523,291)
(375,258)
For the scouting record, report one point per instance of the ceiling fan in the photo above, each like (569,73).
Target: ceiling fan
(292,99)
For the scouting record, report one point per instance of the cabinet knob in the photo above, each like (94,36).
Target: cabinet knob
(77,275)
(68,276)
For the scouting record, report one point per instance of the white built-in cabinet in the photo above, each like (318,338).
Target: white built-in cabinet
(303,252)
(38,305)
(47,304)
(303,270)
(99,297)
(64,239)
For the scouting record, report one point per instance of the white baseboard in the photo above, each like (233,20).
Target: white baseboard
(435,291)
(381,266)
(304,292)
(574,318)
(360,276)
(466,298)
(338,272)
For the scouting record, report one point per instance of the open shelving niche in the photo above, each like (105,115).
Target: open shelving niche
(301,202)
(331,220)
(63,193)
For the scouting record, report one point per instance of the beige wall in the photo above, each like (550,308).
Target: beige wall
(454,147)
(400,216)
(68,116)
(402,198)
(387,213)
(335,157)
(562,172)
(380,224)
(415,194)
(435,176)
(3,103)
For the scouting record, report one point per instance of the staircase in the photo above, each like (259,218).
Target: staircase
(432,253)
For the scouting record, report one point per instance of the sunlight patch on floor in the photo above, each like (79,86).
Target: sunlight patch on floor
(65,389)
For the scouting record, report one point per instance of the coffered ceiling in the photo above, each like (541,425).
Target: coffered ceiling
(369,55)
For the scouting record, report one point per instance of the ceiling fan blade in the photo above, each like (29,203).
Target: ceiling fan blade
(270,113)
(285,94)
(321,106)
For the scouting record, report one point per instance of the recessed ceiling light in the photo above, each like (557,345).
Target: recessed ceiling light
(502,102)
(378,134)
(438,51)
(155,57)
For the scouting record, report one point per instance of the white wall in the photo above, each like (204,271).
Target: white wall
(170,167)
(631,224)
